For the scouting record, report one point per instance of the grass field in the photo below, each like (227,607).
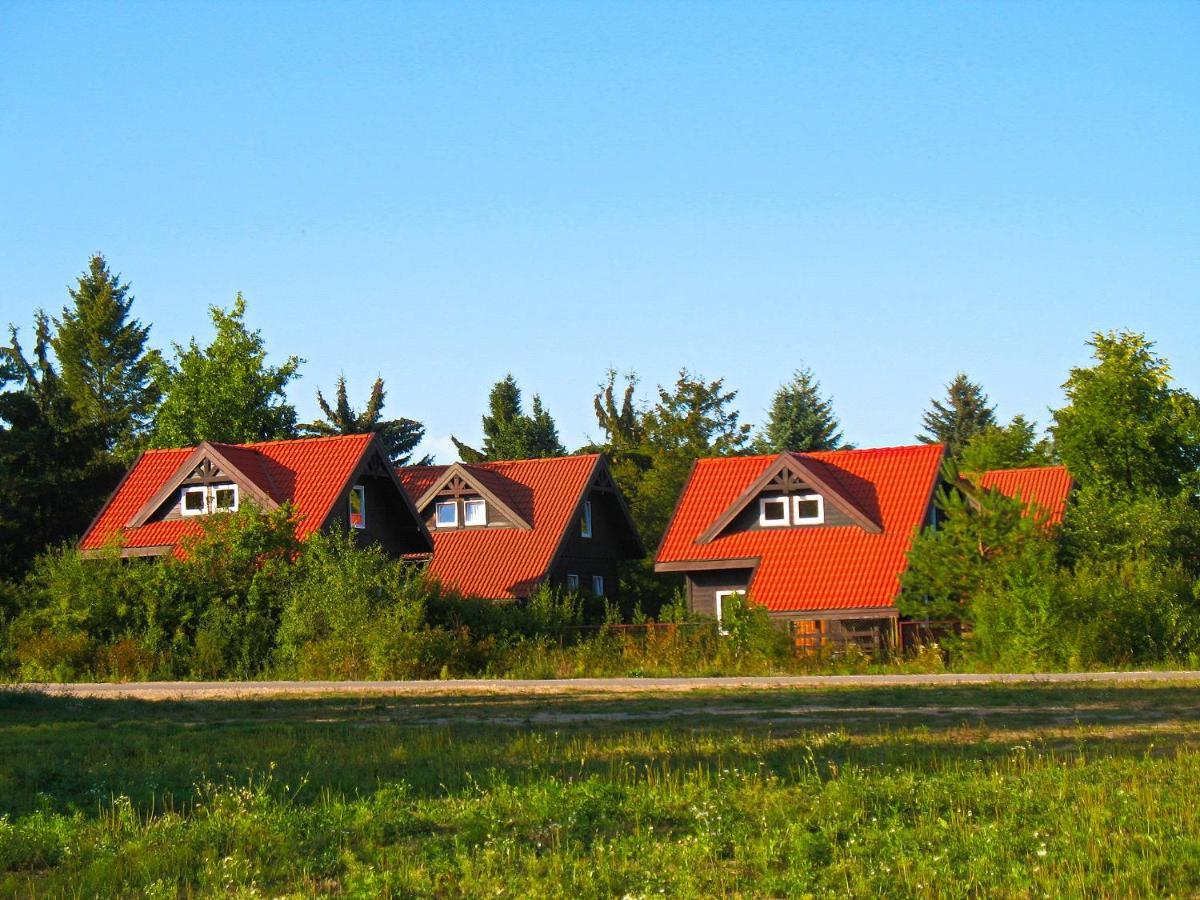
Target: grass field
(1086,790)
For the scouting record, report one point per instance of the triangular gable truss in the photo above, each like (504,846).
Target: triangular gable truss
(458,477)
(204,465)
(789,473)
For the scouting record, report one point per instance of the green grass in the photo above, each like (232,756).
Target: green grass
(1084,791)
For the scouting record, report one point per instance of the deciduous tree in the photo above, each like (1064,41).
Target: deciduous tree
(1125,424)
(226,391)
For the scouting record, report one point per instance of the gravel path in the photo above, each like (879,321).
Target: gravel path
(225,690)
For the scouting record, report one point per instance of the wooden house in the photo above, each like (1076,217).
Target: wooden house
(330,482)
(501,528)
(819,539)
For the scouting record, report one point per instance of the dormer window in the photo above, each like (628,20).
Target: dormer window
(475,512)
(446,514)
(203,499)
(358,506)
(808,509)
(585,520)
(773,512)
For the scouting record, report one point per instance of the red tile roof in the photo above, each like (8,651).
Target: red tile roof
(503,563)
(310,472)
(831,567)
(1043,487)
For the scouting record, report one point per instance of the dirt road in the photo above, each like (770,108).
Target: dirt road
(216,690)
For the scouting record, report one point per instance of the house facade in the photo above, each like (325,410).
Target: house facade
(344,482)
(819,539)
(502,528)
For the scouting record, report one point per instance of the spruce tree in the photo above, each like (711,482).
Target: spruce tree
(508,433)
(800,418)
(105,366)
(54,474)
(400,436)
(965,413)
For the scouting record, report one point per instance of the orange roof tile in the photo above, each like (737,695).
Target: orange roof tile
(311,473)
(1043,487)
(503,563)
(831,567)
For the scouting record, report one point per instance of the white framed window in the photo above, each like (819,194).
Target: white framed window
(598,585)
(447,514)
(475,512)
(358,506)
(203,499)
(808,509)
(195,501)
(719,607)
(773,512)
(572,582)
(224,497)
(585,520)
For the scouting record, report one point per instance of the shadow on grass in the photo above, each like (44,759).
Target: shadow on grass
(72,754)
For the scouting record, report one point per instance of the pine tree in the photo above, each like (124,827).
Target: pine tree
(106,369)
(508,433)
(399,436)
(965,413)
(225,391)
(801,418)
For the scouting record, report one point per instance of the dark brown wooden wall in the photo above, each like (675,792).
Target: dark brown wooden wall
(703,586)
(598,555)
(389,522)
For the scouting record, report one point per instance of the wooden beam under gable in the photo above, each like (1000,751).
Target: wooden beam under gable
(788,469)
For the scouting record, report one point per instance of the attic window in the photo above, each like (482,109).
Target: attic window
(195,501)
(475,512)
(203,499)
(358,506)
(447,514)
(808,509)
(773,512)
(585,520)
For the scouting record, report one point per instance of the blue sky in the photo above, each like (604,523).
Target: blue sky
(441,193)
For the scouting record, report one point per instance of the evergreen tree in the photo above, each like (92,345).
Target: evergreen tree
(1125,425)
(226,391)
(105,366)
(508,433)
(399,436)
(53,473)
(1008,446)
(622,425)
(800,418)
(965,413)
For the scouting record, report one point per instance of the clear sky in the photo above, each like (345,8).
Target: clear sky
(441,193)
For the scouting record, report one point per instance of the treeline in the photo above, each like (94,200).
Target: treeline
(1117,582)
